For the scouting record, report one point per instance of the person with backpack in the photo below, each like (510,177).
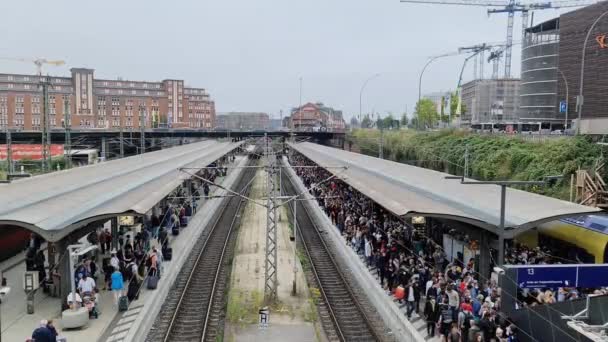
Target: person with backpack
(134,281)
(445,318)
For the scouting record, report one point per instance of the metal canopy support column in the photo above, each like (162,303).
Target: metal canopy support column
(142,130)
(271,281)
(501,229)
(104,155)
(122,143)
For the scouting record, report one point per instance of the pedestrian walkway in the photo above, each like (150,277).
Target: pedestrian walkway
(122,323)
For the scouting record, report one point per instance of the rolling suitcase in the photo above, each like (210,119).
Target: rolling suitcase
(168,254)
(183,221)
(132,292)
(123,303)
(175,230)
(152,281)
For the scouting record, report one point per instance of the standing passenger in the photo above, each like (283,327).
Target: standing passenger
(117,285)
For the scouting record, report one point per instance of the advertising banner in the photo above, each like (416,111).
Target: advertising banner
(29,151)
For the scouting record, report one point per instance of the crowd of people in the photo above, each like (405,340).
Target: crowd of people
(458,303)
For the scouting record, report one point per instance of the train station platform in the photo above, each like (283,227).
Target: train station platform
(407,191)
(111,325)
(125,186)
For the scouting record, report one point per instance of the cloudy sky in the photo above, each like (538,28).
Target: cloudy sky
(251,54)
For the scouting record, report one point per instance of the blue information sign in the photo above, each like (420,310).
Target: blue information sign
(593,276)
(554,276)
(563,106)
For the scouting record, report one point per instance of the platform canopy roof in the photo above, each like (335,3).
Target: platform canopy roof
(407,190)
(55,204)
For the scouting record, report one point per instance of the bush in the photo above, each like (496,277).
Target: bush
(490,157)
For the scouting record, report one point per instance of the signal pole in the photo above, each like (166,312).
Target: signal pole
(68,134)
(9,152)
(46,133)
(270,265)
(121,138)
(142,129)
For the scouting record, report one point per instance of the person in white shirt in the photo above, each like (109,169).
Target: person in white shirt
(114,261)
(429,284)
(86,285)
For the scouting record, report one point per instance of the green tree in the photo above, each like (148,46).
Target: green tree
(388,122)
(354,122)
(404,120)
(413,122)
(427,113)
(366,122)
(444,116)
(454,105)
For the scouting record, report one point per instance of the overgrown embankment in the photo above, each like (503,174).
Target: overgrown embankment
(490,157)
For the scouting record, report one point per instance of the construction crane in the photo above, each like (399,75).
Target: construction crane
(38,62)
(474,50)
(494,57)
(509,7)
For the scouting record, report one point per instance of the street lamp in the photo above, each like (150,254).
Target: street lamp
(361,93)
(503,196)
(567,107)
(420,80)
(300,109)
(579,98)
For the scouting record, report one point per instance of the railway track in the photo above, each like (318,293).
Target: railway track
(194,308)
(343,312)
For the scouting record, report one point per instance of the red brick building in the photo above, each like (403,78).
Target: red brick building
(98,103)
(317,117)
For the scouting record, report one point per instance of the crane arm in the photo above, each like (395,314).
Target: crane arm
(56,63)
(562,4)
(16,59)
(480,3)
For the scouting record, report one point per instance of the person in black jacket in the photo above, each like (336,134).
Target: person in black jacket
(431,314)
(43,333)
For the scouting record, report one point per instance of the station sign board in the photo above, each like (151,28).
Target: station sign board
(264,320)
(555,276)
(563,106)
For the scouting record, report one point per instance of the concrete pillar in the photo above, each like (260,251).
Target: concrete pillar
(51,251)
(114,232)
(484,254)
(64,270)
